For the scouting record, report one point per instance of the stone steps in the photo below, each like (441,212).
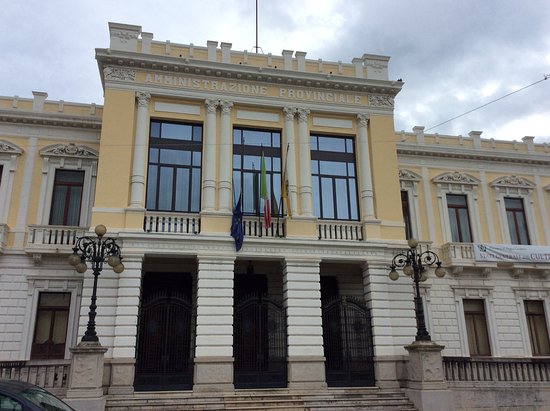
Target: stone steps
(333,399)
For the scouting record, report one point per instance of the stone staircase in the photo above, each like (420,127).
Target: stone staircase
(331,399)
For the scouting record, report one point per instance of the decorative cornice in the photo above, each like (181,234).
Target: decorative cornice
(456,177)
(513,181)
(408,175)
(69,150)
(421,150)
(49,119)
(9,148)
(289,78)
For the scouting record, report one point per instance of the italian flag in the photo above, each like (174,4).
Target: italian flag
(264,195)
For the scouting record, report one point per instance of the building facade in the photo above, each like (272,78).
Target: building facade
(188,136)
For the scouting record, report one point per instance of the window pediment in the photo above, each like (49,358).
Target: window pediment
(69,150)
(512,181)
(407,175)
(456,177)
(9,148)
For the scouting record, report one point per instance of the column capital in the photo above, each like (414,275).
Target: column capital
(302,114)
(289,112)
(143,98)
(211,105)
(363,120)
(226,106)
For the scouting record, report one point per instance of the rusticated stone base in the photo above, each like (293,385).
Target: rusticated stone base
(213,374)
(306,372)
(387,370)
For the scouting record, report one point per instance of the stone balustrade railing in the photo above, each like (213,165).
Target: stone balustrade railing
(172,223)
(340,230)
(52,374)
(497,369)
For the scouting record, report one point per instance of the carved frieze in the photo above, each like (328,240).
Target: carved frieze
(379,100)
(119,73)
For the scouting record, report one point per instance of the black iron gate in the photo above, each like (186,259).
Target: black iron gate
(259,343)
(164,353)
(347,339)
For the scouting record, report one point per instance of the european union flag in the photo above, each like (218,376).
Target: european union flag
(237,231)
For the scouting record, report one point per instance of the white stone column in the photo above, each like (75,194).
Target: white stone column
(393,321)
(126,319)
(290,161)
(305,163)
(302,299)
(367,201)
(209,157)
(214,333)
(140,151)
(226,164)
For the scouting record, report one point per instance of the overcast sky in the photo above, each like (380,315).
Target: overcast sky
(452,55)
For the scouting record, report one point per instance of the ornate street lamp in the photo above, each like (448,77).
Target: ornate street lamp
(97,251)
(415,264)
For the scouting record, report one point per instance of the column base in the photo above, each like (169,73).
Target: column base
(122,375)
(306,372)
(389,370)
(213,374)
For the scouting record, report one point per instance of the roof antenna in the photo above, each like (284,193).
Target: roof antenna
(256,48)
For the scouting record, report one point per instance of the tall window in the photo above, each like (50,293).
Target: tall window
(67,197)
(405,206)
(538,331)
(517,223)
(334,181)
(50,331)
(174,174)
(248,146)
(458,218)
(476,327)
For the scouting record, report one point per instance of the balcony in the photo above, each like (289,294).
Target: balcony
(457,254)
(253,227)
(52,238)
(177,223)
(49,374)
(340,230)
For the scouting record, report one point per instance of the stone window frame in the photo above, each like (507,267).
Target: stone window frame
(515,187)
(67,157)
(530,293)
(408,181)
(58,285)
(9,154)
(485,293)
(458,183)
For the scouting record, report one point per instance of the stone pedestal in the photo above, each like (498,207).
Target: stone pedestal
(213,374)
(122,375)
(86,377)
(306,372)
(427,387)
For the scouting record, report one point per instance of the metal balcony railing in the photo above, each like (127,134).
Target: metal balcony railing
(171,223)
(53,238)
(340,230)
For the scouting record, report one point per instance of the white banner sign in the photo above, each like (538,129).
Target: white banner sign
(512,253)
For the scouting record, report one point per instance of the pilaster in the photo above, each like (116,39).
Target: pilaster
(290,159)
(214,333)
(209,157)
(140,151)
(305,163)
(367,203)
(302,299)
(226,144)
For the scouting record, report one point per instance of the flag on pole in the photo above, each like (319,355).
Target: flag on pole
(284,187)
(237,231)
(264,195)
